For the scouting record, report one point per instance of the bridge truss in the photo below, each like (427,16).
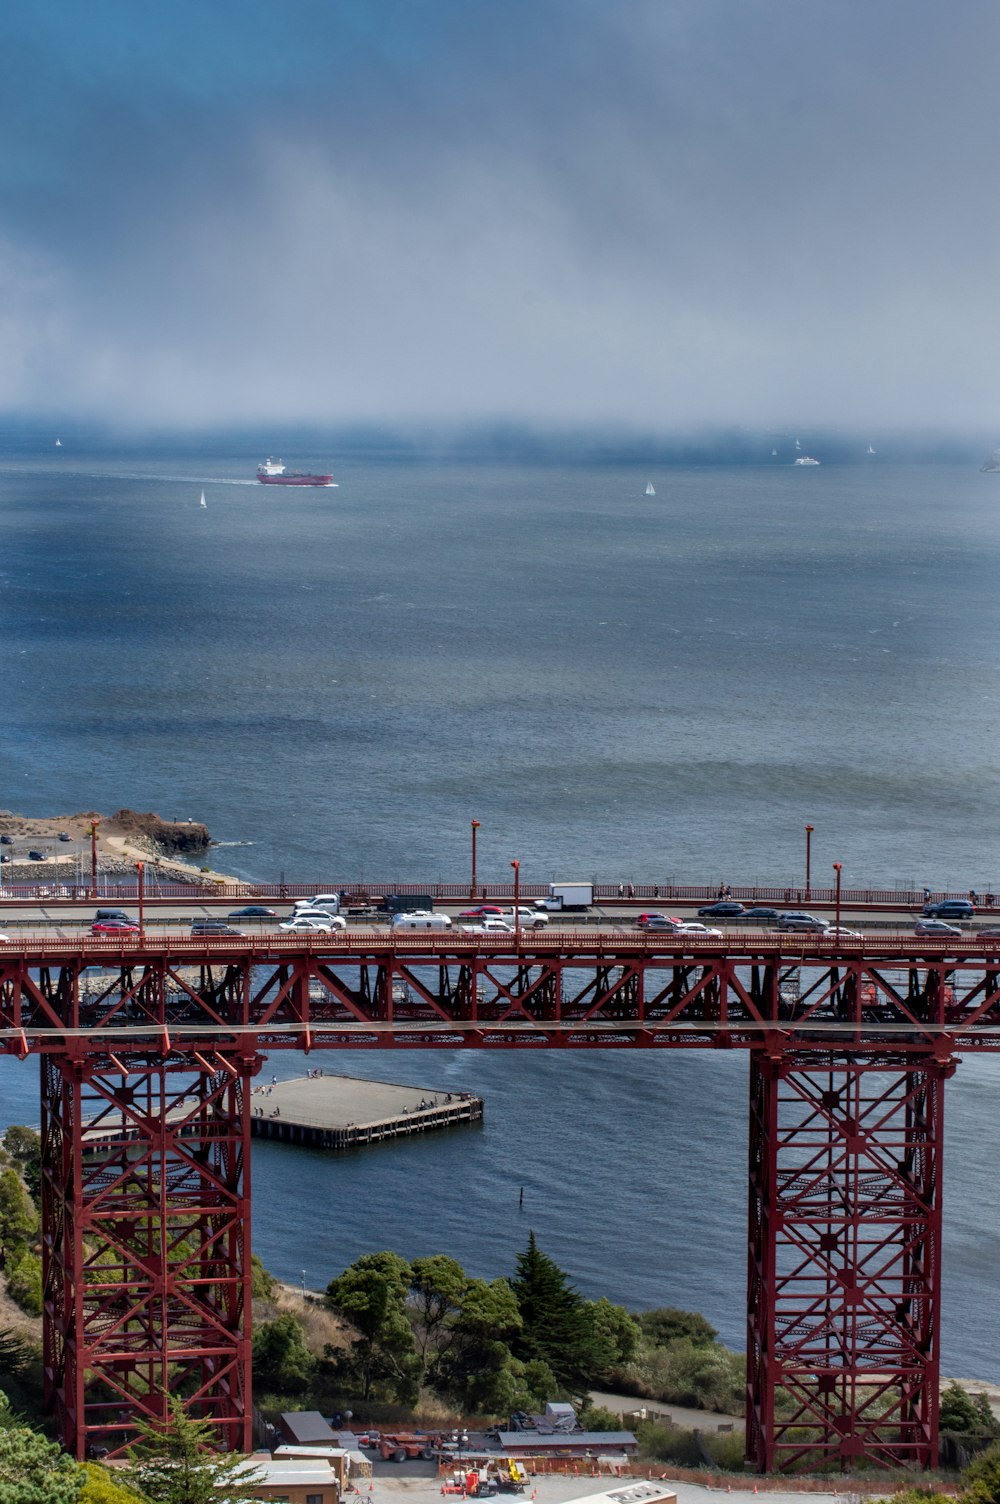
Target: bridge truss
(148,1046)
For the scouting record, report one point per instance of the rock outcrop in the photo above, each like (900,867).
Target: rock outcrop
(167,836)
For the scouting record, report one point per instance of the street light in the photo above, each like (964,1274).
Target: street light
(836,868)
(809,835)
(517,902)
(472,882)
(303,1286)
(142,894)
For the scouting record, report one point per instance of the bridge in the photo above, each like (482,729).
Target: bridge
(154,1039)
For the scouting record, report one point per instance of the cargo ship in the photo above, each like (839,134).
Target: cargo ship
(273,473)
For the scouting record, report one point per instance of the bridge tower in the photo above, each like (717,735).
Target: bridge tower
(145,1241)
(844,1259)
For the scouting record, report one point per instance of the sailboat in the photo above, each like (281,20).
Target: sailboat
(203,502)
(774,453)
(58,444)
(650,488)
(870,449)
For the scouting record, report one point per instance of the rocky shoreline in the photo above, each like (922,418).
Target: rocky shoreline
(165,847)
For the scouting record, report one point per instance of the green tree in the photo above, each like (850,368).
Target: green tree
(36,1471)
(666,1324)
(597,1418)
(474,1365)
(281,1360)
(18,1218)
(261,1281)
(176,1463)
(438,1286)
(24,1146)
(371,1296)
(24,1281)
(557,1325)
(617,1332)
(957,1412)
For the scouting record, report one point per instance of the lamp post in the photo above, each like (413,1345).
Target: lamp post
(472,881)
(809,836)
(142,894)
(836,868)
(303,1287)
(93,857)
(517,902)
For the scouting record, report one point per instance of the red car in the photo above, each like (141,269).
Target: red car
(114,927)
(657,919)
(485,911)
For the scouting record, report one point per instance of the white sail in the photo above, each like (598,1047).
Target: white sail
(203,502)
(650,488)
(58,443)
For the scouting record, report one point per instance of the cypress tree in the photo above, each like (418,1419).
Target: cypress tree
(557,1322)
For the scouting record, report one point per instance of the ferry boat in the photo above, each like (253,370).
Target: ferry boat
(273,473)
(806,459)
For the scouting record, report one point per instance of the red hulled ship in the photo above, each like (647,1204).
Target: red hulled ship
(273,473)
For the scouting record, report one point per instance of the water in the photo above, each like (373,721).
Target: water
(614,685)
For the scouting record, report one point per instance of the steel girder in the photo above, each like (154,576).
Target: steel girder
(844,1261)
(145,1242)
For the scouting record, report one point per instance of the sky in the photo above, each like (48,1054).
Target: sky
(645,213)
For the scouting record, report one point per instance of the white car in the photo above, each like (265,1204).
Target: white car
(323,915)
(531,919)
(303,926)
(692,928)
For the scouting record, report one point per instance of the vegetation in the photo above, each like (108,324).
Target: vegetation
(36,1471)
(176,1464)
(104,1487)
(20,1200)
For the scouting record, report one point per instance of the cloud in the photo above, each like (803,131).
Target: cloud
(660,214)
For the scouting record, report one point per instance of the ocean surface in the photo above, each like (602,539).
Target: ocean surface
(616,686)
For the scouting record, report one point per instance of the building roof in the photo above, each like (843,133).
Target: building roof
(306,1427)
(547,1441)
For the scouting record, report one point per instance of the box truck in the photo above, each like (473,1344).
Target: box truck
(565,896)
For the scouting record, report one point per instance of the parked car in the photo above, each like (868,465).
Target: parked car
(807,922)
(65,836)
(37,856)
(253,911)
(6,840)
(114,927)
(484,911)
(935,927)
(723,907)
(757,912)
(950,908)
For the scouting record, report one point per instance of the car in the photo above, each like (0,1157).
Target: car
(645,920)
(65,836)
(114,927)
(691,928)
(6,840)
(949,908)
(37,856)
(530,919)
(120,914)
(992,932)
(935,927)
(321,916)
(805,922)
(303,926)
(723,907)
(484,911)
(759,912)
(253,911)
(212,927)
(490,925)
(842,933)
(5,940)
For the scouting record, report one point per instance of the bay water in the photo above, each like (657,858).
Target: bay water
(618,686)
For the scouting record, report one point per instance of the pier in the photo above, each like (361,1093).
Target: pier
(325,1111)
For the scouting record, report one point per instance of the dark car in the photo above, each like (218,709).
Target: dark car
(212,927)
(724,906)
(805,922)
(949,908)
(64,836)
(6,840)
(935,927)
(253,911)
(103,914)
(761,913)
(114,927)
(37,856)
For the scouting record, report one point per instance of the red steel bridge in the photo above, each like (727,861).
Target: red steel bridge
(148,1046)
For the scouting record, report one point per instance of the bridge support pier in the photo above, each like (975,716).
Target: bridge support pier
(844,1260)
(146,1242)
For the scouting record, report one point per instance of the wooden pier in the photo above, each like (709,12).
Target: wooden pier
(325,1111)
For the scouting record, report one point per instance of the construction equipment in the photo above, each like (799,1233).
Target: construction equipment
(402,1446)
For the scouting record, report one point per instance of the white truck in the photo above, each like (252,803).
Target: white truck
(505,925)
(566,896)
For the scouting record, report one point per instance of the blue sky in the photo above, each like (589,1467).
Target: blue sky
(656,213)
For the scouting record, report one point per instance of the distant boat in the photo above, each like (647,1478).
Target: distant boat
(203,502)
(273,473)
(805,459)
(58,443)
(797,444)
(870,449)
(650,488)
(774,453)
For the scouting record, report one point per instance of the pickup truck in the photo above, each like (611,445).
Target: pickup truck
(506,926)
